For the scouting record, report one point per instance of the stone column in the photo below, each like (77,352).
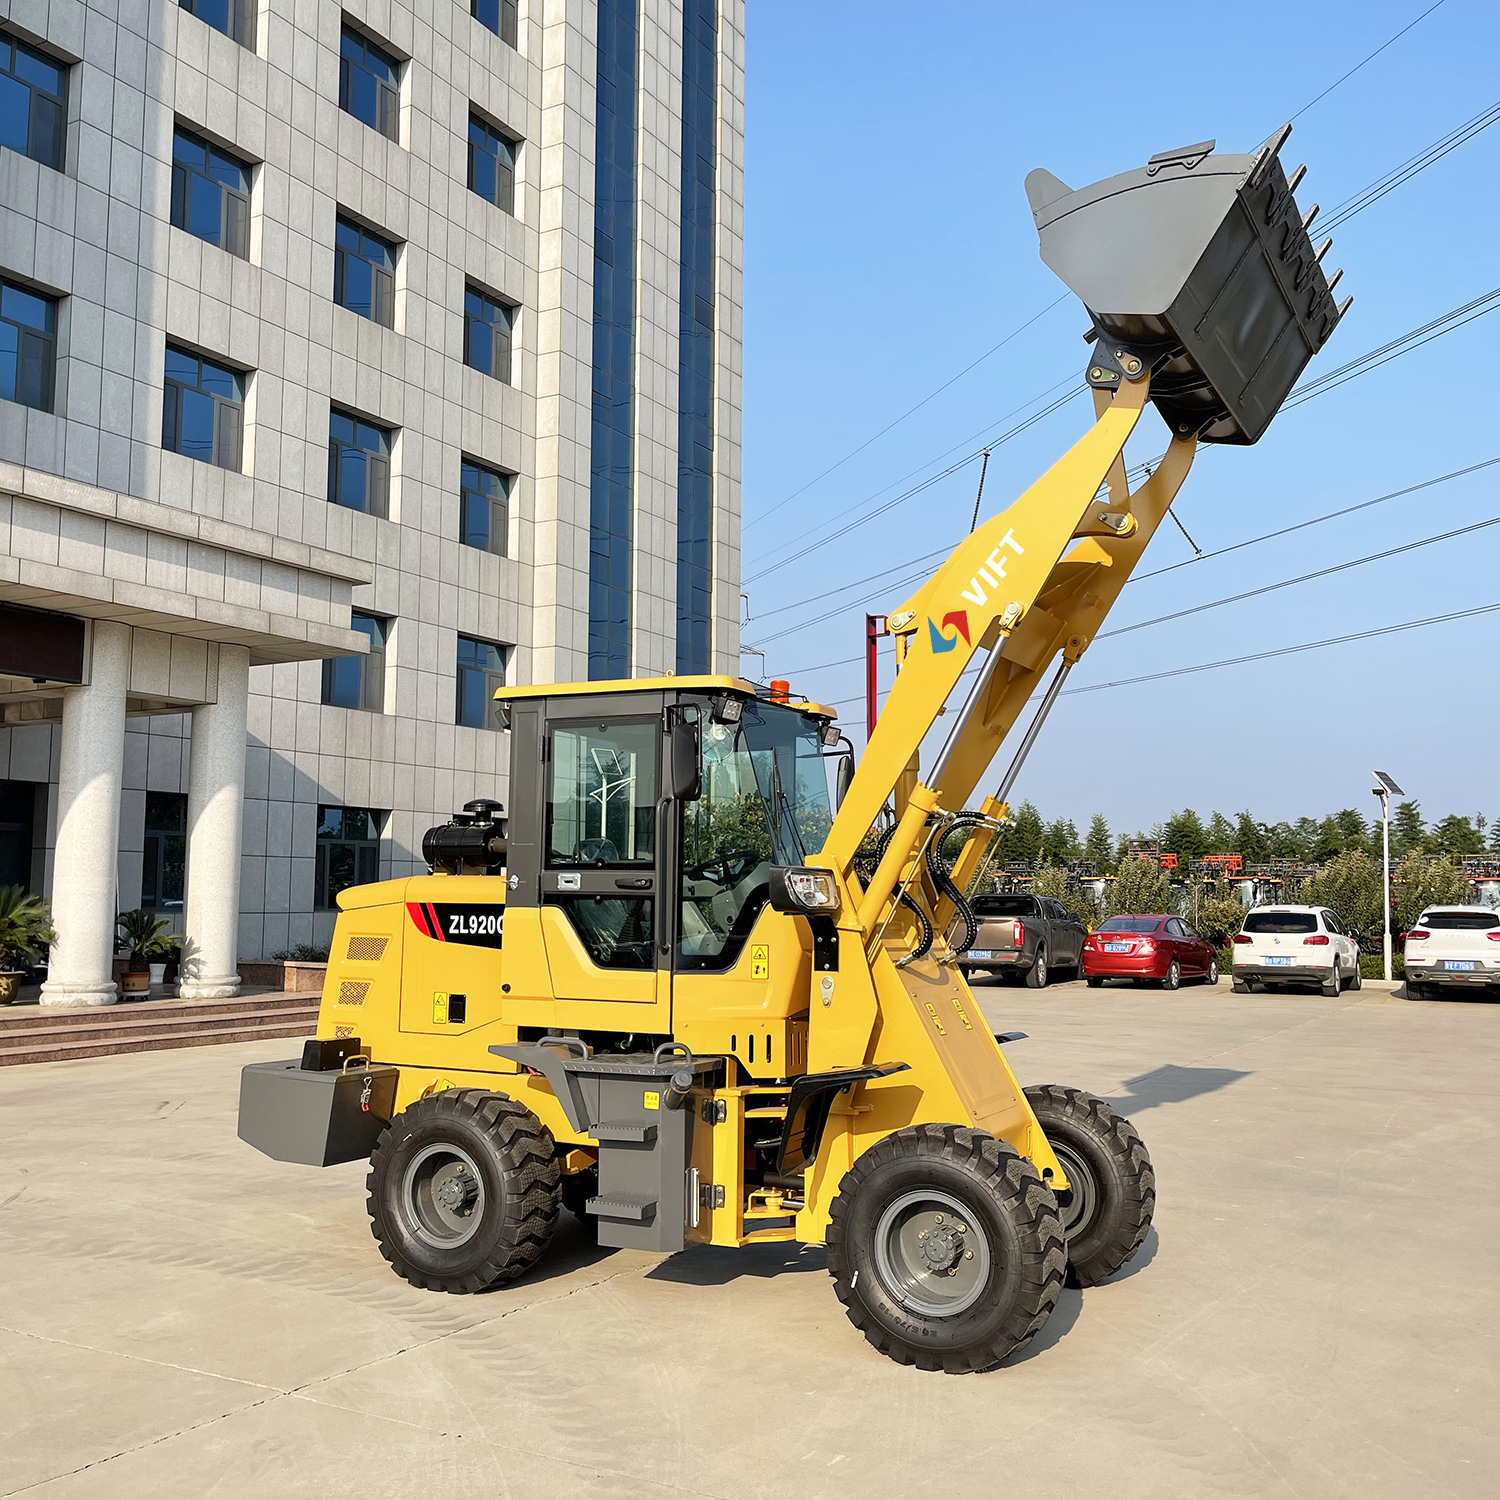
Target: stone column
(216,800)
(87,855)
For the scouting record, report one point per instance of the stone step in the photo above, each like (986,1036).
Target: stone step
(205,1018)
(64,1048)
(25,1017)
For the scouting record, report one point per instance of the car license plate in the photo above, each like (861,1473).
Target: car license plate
(1459,963)
(1277,958)
(980,953)
(1117,947)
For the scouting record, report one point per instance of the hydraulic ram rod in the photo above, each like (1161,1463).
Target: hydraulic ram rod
(1034,729)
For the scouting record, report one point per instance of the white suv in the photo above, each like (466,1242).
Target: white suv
(1452,946)
(1295,945)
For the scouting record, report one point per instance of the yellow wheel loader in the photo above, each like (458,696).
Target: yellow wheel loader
(680,990)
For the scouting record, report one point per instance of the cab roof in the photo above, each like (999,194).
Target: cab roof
(692,684)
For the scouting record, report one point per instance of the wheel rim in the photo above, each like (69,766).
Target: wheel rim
(443,1195)
(1080,1203)
(931,1255)
(1041,968)
(1213,971)
(1173,975)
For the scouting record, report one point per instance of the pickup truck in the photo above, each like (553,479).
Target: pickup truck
(1024,935)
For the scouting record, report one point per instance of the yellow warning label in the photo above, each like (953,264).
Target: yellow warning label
(652,1099)
(440,1008)
(760,960)
(963,1014)
(932,1011)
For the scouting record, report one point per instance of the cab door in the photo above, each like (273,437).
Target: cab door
(601,889)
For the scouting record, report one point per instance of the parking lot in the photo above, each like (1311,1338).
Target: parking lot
(1313,1315)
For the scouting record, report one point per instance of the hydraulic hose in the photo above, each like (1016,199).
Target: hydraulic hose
(867,866)
(942,877)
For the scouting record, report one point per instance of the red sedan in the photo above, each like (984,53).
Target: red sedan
(1160,948)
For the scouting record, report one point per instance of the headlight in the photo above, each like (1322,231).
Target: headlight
(727,709)
(800,889)
(830,735)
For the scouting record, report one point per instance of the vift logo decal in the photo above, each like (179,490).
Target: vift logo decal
(991,571)
(475,926)
(957,618)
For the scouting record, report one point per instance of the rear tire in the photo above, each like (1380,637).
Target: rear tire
(1095,982)
(1036,975)
(945,1248)
(1106,1212)
(1418,991)
(1240,986)
(1335,985)
(463,1191)
(1174,976)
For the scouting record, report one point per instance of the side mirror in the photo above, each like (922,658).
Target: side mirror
(685,762)
(843,778)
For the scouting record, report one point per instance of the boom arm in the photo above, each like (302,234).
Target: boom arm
(1007,600)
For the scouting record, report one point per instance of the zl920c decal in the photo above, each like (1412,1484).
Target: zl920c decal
(474,925)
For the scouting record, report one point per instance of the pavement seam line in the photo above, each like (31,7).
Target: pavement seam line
(145,1359)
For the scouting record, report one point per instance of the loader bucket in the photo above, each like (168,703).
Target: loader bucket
(1201,267)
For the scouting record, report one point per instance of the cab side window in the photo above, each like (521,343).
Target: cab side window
(601,794)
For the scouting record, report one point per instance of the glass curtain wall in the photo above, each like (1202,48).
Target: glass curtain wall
(695,385)
(610,488)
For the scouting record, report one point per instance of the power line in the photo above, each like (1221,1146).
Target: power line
(1268,536)
(1287,583)
(854,452)
(1236,661)
(1371,58)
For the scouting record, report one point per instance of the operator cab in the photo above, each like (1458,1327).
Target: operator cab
(650,812)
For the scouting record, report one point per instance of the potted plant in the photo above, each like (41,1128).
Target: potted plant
(149,944)
(25,929)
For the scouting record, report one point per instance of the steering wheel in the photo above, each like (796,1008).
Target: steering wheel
(728,869)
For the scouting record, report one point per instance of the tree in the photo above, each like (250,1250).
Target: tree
(1458,836)
(1354,831)
(1097,845)
(1495,837)
(1222,838)
(1185,836)
(1419,882)
(1052,880)
(1350,886)
(1059,842)
(1023,838)
(1250,839)
(1139,887)
(1408,831)
(1330,840)
(1305,839)
(1219,913)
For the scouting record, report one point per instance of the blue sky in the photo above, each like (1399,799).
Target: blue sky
(889,245)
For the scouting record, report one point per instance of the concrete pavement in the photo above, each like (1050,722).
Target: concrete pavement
(1314,1314)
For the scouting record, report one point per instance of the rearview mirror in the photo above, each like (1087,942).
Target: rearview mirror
(843,777)
(685,763)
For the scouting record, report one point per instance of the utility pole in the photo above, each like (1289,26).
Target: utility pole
(1384,791)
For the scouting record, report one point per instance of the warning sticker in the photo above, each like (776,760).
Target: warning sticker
(652,1100)
(440,1008)
(760,960)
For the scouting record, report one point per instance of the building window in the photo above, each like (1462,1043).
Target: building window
(235,18)
(203,409)
(492,164)
(210,193)
(499,15)
(165,856)
(359,681)
(33,102)
(348,852)
(610,486)
(17,822)
(359,464)
(28,346)
(484,508)
(364,272)
(695,343)
(369,84)
(487,329)
(481,673)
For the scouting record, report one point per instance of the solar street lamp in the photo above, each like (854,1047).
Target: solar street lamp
(1385,790)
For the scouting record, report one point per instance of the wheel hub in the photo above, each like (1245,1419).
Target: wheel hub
(453,1188)
(929,1255)
(942,1246)
(442,1195)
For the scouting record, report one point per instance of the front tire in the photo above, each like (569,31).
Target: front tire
(1357,979)
(946,1248)
(463,1191)
(1212,977)
(1036,975)
(1106,1211)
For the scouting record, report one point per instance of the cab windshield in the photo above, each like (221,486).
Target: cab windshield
(765,801)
